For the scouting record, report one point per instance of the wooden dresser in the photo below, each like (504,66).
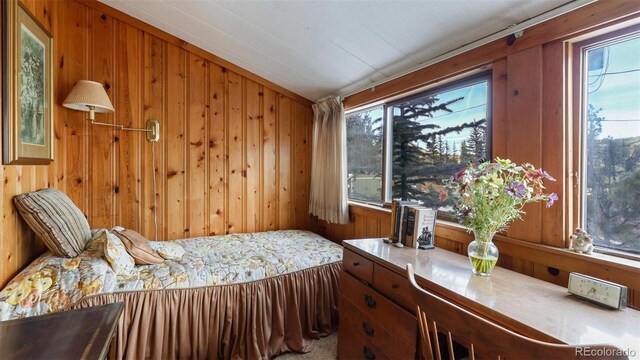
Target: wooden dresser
(376,307)
(377,318)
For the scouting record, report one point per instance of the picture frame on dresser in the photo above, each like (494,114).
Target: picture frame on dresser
(421,226)
(27,87)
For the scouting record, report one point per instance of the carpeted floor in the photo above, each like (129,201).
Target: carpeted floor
(323,349)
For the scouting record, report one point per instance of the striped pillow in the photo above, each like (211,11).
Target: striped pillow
(137,246)
(56,220)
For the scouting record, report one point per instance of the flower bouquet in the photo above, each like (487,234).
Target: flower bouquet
(489,196)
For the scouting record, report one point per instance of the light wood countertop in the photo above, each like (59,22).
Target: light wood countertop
(527,305)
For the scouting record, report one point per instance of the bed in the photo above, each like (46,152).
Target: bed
(243,296)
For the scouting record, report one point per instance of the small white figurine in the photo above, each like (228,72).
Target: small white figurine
(581,242)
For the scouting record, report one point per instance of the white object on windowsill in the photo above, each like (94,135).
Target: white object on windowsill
(581,242)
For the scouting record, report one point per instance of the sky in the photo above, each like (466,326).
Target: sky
(472,107)
(617,92)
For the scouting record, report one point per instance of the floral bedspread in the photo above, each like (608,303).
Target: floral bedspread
(51,283)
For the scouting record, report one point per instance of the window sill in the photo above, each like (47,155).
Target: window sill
(358,207)
(609,267)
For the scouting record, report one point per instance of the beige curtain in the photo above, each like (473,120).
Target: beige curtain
(328,196)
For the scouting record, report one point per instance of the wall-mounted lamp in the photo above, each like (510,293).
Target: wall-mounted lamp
(90,96)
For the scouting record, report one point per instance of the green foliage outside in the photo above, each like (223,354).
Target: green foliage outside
(423,157)
(612,187)
(364,157)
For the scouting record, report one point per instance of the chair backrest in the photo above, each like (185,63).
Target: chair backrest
(482,337)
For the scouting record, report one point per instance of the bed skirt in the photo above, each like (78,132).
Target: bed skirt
(254,320)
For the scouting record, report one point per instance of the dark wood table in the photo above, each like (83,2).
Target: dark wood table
(74,334)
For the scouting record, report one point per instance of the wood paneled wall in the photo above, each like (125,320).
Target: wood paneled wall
(234,152)
(529,124)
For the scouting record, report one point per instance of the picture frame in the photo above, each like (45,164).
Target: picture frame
(427,237)
(27,87)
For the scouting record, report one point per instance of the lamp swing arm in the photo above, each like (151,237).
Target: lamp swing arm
(121,127)
(152,129)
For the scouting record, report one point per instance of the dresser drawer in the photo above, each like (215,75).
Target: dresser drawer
(352,349)
(358,266)
(394,286)
(374,332)
(375,306)
(353,346)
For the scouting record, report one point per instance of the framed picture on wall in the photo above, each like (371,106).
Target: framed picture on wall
(27,87)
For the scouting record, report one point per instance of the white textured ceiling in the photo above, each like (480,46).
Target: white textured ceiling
(322,48)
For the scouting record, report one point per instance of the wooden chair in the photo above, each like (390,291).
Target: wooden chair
(485,338)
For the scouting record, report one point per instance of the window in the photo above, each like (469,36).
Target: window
(611,141)
(402,150)
(435,135)
(364,155)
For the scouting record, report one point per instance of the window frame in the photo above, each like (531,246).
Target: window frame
(382,175)
(577,130)
(387,105)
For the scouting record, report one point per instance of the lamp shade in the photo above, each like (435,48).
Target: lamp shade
(87,94)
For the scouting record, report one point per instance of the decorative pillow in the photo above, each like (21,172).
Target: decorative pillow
(168,249)
(137,246)
(121,262)
(56,220)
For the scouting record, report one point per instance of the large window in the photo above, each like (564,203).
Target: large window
(403,150)
(611,138)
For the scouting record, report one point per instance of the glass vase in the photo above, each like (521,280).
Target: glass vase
(483,254)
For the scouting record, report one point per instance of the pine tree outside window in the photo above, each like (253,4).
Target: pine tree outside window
(422,140)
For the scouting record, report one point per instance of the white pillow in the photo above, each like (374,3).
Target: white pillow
(121,262)
(169,250)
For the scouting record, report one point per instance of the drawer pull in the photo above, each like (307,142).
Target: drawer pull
(368,353)
(394,286)
(368,330)
(356,264)
(370,301)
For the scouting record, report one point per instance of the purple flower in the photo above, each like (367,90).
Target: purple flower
(460,173)
(547,176)
(552,199)
(515,190)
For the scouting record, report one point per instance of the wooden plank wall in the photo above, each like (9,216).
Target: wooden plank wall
(234,152)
